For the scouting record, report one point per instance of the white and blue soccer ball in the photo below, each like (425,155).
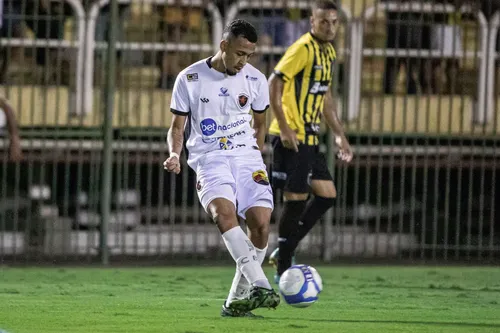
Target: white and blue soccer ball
(300,285)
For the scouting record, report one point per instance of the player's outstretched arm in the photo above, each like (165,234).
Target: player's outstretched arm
(175,140)
(15,152)
(288,136)
(333,121)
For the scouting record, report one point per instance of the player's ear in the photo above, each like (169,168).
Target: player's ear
(223,45)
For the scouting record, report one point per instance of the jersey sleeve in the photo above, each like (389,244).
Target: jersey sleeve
(179,103)
(261,102)
(293,61)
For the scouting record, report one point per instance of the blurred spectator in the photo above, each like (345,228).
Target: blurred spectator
(102,31)
(407,30)
(446,37)
(489,8)
(46,20)
(180,24)
(277,28)
(11,26)
(297,23)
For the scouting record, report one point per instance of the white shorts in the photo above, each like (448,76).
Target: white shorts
(241,179)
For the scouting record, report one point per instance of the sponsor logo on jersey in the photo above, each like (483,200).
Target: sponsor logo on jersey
(223,92)
(260,177)
(198,186)
(208,126)
(279,175)
(242,100)
(204,100)
(319,87)
(225,144)
(312,128)
(214,139)
(251,78)
(192,77)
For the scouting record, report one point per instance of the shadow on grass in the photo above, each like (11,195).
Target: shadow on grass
(411,322)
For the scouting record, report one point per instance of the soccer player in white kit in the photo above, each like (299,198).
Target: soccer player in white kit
(212,104)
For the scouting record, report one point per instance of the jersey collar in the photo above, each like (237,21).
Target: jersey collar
(319,41)
(209,64)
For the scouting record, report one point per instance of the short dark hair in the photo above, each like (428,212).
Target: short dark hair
(240,28)
(324,4)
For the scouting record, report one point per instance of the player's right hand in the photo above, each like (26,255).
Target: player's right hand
(289,139)
(172,164)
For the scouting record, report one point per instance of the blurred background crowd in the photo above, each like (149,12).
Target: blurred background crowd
(188,22)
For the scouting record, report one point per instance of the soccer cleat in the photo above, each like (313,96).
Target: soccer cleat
(226,312)
(257,298)
(273,260)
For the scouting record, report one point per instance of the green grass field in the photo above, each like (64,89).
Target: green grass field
(188,300)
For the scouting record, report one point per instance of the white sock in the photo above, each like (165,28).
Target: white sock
(240,285)
(243,252)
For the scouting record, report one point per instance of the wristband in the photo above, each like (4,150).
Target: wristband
(174,155)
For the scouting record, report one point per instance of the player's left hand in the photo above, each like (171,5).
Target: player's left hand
(345,153)
(172,164)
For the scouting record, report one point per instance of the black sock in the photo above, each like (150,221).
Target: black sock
(316,208)
(288,226)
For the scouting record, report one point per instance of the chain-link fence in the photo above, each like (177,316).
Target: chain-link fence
(417,85)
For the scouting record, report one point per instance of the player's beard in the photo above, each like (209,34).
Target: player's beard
(230,72)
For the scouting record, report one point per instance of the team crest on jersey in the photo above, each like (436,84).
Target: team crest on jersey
(242,100)
(260,177)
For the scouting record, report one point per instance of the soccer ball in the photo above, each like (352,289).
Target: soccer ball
(300,285)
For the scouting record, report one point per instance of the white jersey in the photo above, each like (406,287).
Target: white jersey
(218,107)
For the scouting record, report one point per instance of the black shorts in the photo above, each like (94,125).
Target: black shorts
(293,171)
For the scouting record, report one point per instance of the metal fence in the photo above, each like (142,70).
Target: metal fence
(417,86)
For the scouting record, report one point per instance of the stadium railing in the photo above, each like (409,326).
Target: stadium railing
(78,44)
(92,45)
(480,113)
(373,218)
(493,60)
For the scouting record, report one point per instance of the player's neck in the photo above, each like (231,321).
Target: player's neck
(217,63)
(319,40)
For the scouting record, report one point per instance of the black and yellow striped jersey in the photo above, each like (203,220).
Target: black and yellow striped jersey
(307,70)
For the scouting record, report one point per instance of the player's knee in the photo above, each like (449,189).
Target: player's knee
(291,196)
(324,188)
(330,194)
(257,219)
(223,215)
